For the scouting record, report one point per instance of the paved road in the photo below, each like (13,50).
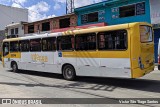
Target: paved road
(27,84)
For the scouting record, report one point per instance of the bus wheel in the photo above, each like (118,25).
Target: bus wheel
(69,72)
(14,67)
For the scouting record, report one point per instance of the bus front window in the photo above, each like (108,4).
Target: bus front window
(5,49)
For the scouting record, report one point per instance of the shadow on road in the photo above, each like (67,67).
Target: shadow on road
(105,84)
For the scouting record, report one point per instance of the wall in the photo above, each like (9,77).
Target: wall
(155,13)
(20,30)
(90,10)
(11,14)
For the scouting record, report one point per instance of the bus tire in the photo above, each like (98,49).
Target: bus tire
(14,67)
(69,72)
(158,67)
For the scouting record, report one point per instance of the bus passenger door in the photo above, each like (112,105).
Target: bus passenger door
(6,55)
(88,63)
(87,55)
(48,55)
(35,58)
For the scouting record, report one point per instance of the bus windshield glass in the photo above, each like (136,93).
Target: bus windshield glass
(5,48)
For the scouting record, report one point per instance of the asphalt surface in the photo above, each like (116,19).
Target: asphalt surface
(29,84)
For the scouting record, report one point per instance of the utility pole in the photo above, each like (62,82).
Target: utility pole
(69,6)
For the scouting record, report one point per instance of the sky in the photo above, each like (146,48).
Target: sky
(42,9)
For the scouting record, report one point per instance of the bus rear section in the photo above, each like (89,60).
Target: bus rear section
(142,52)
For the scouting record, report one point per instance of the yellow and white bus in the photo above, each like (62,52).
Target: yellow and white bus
(123,51)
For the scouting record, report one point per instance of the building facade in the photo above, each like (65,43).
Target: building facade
(115,12)
(48,25)
(15,30)
(56,24)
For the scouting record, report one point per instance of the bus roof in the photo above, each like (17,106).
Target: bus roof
(80,31)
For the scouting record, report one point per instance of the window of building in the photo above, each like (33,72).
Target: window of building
(16,31)
(88,18)
(14,46)
(132,10)
(49,44)
(46,26)
(112,40)
(65,43)
(31,29)
(38,28)
(24,45)
(86,41)
(64,23)
(12,31)
(127,11)
(35,45)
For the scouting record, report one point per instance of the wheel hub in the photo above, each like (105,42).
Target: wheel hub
(69,72)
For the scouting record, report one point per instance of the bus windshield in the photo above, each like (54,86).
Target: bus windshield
(146,34)
(5,49)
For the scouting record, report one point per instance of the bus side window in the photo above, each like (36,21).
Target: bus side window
(102,41)
(24,45)
(112,40)
(5,48)
(14,46)
(49,44)
(35,45)
(86,41)
(65,43)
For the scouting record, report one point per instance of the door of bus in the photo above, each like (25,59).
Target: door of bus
(6,56)
(87,55)
(35,62)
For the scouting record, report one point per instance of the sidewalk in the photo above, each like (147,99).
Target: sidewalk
(156,68)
